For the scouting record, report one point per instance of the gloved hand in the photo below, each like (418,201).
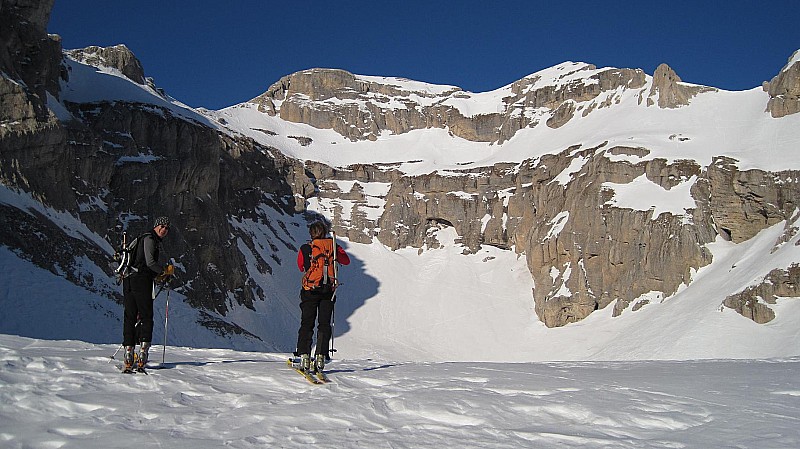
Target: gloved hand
(169,270)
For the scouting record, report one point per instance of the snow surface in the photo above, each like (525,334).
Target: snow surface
(642,194)
(68,394)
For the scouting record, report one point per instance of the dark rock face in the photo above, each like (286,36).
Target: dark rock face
(118,165)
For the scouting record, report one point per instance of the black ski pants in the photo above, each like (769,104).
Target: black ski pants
(138,302)
(315,307)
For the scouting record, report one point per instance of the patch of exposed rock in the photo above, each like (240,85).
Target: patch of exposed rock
(754,301)
(784,89)
(745,202)
(118,57)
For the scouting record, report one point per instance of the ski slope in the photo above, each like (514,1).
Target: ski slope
(67,394)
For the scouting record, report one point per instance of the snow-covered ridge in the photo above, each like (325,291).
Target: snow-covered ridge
(714,123)
(409,85)
(97,82)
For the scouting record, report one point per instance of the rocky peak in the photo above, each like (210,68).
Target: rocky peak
(118,57)
(784,89)
(670,91)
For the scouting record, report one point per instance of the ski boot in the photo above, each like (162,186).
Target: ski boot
(128,360)
(319,363)
(305,363)
(143,355)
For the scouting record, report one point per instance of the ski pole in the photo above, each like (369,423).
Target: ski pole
(333,296)
(115,353)
(166,320)
(333,325)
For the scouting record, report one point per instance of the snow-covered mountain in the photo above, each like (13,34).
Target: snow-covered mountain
(576,214)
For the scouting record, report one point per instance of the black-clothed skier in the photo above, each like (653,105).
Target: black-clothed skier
(138,289)
(316,303)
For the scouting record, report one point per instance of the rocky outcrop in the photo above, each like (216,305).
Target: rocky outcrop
(754,301)
(118,57)
(784,89)
(745,202)
(669,91)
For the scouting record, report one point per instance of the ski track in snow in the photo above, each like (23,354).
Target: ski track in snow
(60,394)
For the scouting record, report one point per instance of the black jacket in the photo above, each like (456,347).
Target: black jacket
(146,261)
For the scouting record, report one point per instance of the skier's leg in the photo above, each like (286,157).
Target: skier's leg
(145,304)
(324,327)
(308,315)
(129,316)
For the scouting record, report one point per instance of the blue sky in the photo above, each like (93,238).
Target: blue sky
(219,53)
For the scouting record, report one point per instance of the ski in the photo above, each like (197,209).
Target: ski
(308,376)
(322,377)
(133,370)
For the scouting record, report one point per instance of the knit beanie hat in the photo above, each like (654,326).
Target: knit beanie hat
(161,221)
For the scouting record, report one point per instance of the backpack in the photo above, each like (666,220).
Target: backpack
(125,257)
(321,271)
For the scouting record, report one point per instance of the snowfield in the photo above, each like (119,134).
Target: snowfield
(67,394)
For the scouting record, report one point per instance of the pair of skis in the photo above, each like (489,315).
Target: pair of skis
(316,377)
(133,369)
(124,370)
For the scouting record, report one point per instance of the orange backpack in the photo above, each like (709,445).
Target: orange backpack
(321,273)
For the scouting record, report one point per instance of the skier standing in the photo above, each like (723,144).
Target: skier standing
(316,260)
(138,291)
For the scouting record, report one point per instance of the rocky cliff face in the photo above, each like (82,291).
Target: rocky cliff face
(116,165)
(784,89)
(583,252)
(30,59)
(669,91)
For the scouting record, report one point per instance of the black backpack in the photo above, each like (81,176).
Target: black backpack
(125,256)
